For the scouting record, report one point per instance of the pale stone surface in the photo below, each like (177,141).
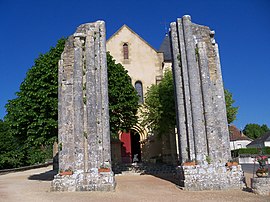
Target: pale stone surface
(201,89)
(211,177)
(84,137)
(201,109)
(261,186)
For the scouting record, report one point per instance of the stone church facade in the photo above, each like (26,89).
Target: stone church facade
(145,66)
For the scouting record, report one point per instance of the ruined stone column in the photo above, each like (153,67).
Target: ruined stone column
(211,132)
(180,103)
(84,134)
(195,92)
(201,109)
(184,69)
(221,114)
(66,110)
(78,105)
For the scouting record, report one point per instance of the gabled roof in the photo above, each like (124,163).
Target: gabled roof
(125,26)
(165,48)
(261,140)
(236,134)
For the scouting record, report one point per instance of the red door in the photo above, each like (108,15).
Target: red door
(126,147)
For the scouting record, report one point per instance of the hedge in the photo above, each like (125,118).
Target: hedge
(251,151)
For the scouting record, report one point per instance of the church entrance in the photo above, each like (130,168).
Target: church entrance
(135,146)
(130,146)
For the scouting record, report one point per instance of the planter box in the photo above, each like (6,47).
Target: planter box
(189,163)
(102,170)
(65,173)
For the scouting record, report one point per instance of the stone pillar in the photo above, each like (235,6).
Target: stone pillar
(195,92)
(220,113)
(104,94)
(184,70)
(66,110)
(78,105)
(180,103)
(84,135)
(201,109)
(212,139)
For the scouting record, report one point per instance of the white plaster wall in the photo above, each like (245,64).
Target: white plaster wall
(248,160)
(239,144)
(267,143)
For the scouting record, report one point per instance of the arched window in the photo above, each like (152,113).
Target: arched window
(125,50)
(139,89)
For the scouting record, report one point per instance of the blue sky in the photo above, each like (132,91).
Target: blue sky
(242,27)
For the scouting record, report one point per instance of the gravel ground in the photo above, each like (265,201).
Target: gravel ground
(34,185)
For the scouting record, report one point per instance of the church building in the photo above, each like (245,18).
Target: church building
(145,66)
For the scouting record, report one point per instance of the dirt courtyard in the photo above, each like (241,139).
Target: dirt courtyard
(34,185)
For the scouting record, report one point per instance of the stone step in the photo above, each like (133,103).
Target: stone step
(129,173)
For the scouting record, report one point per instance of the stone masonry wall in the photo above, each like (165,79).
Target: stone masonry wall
(83,122)
(261,185)
(211,177)
(201,110)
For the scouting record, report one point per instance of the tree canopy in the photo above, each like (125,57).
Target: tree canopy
(255,131)
(32,115)
(30,126)
(231,110)
(123,98)
(159,108)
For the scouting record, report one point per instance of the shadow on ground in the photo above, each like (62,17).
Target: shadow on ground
(47,176)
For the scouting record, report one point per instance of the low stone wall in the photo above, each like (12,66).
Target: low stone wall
(96,181)
(210,177)
(261,186)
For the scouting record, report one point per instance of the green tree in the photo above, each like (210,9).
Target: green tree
(31,120)
(159,107)
(32,115)
(159,111)
(123,98)
(10,154)
(231,110)
(255,131)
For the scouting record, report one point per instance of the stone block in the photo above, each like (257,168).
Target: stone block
(261,185)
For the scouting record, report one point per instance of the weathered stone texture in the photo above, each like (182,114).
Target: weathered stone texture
(84,138)
(212,177)
(201,111)
(261,185)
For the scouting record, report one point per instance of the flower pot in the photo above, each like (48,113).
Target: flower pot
(261,174)
(102,170)
(230,164)
(189,163)
(66,173)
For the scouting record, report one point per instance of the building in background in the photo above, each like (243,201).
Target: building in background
(145,66)
(237,138)
(261,142)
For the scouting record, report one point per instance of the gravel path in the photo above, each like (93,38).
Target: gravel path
(34,185)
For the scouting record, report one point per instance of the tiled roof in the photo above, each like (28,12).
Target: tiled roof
(165,48)
(260,140)
(236,134)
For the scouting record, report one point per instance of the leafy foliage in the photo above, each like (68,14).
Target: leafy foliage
(32,115)
(159,108)
(30,126)
(251,151)
(123,98)
(10,154)
(231,110)
(255,131)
